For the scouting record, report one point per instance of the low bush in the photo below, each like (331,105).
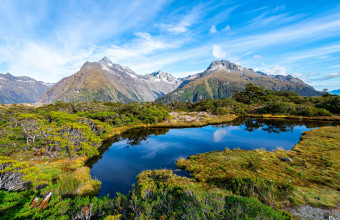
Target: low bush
(268,192)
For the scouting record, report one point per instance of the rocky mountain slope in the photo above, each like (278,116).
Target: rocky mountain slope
(107,81)
(21,89)
(222,77)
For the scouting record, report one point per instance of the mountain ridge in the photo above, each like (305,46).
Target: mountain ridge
(111,82)
(108,81)
(222,77)
(20,89)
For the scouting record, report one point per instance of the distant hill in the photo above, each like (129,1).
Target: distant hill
(20,89)
(107,81)
(335,92)
(222,77)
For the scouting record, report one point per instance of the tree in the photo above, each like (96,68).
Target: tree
(32,126)
(16,175)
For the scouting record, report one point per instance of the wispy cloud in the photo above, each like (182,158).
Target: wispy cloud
(227,28)
(257,56)
(213,30)
(327,77)
(70,39)
(51,39)
(180,28)
(275,70)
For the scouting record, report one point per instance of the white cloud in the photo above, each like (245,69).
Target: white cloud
(305,31)
(177,29)
(219,134)
(213,30)
(257,56)
(43,63)
(279,8)
(227,28)
(275,70)
(218,53)
(61,49)
(34,45)
(328,76)
(315,52)
(143,35)
(305,76)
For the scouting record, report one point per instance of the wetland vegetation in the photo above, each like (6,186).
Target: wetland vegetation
(44,149)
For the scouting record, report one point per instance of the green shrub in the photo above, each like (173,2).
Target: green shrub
(251,208)
(331,103)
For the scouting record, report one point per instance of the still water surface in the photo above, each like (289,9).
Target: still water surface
(146,149)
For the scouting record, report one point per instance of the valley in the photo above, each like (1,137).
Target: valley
(58,147)
(167,110)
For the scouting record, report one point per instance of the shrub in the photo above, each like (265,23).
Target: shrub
(265,190)
(251,208)
(332,104)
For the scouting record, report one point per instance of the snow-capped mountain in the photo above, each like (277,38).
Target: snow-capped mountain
(108,81)
(222,77)
(20,89)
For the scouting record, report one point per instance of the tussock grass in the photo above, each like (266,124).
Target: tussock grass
(314,172)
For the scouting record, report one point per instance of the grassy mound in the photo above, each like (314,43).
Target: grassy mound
(312,177)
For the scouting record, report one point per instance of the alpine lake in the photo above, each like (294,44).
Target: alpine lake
(123,157)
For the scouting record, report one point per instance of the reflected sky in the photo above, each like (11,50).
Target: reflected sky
(122,162)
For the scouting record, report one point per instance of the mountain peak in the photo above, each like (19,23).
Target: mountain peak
(106,60)
(224,64)
(159,73)
(7,75)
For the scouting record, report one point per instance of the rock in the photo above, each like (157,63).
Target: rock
(309,212)
(286,159)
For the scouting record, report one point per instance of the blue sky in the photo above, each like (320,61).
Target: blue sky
(49,40)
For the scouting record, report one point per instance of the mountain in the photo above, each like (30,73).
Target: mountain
(335,92)
(222,77)
(106,81)
(20,89)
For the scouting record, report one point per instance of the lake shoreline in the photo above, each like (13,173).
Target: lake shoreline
(211,120)
(72,167)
